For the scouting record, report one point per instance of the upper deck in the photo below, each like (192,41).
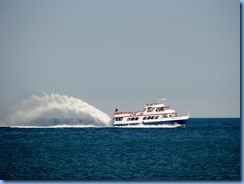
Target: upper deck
(150,108)
(156,105)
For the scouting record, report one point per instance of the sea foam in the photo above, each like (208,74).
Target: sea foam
(56,109)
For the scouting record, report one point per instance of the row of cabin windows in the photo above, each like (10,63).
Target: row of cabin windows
(150,117)
(132,119)
(136,118)
(150,109)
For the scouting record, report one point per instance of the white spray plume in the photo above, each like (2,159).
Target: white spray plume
(60,107)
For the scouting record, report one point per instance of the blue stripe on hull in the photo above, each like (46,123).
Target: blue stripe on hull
(181,122)
(129,124)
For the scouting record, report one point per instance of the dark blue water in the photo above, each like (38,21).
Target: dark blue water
(207,149)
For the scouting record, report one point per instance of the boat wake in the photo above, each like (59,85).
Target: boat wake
(57,111)
(58,126)
(95,126)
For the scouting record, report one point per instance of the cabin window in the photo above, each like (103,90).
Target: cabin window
(156,117)
(150,109)
(144,118)
(160,109)
(148,117)
(119,119)
(128,119)
(136,118)
(132,119)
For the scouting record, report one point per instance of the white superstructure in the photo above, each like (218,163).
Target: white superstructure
(152,114)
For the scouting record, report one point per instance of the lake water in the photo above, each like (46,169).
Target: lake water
(207,149)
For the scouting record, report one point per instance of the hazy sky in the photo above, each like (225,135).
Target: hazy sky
(123,53)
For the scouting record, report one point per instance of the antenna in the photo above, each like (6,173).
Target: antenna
(163,101)
(159,100)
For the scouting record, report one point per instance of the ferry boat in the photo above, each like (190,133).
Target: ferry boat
(153,114)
